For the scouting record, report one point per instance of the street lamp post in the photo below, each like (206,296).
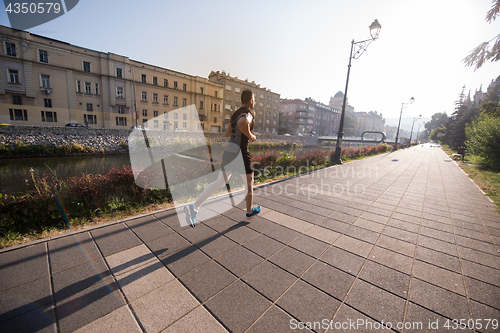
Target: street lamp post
(418,131)
(363,45)
(399,124)
(413,123)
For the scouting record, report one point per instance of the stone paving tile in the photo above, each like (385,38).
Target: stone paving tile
(207,280)
(309,245)
(419,319)
(115,238)
(292,260)
(342,217)
(369,225)
(434,224)
(168,245)
(216,246)
(325,235)
(487,247)
(78,278)
(296,224)
(437,245)
(42,319)
(148,228)
(480,272)
(399,234)
(260,224)
(484,312)
(163,306)
(198,320)
(307,303)
(354,245)
(479,233)
(198,234)
(88,305)
(282,234)
(439,259)
(25,298)
(309,217)
(392,259)
(479,257)
(362,234)
(396,245)
(350,320)
(270,280)
(275,320)
(440,300)
(238,306)
(185,260)
(346,261)
(386,278)
(483,292)
(406,226)
(329,279)
(27,265)
(334,225)
(376,302)
(239,260)
(439,277)
(220,223)
(120,320)
(70,251)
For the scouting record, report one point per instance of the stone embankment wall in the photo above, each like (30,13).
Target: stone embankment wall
(109,141)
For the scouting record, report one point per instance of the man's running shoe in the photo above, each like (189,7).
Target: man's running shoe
(255,211)
(190,214)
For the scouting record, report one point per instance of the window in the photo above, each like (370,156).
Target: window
(227,116)
(119,92)
(144,96)
(261,96)
(13,76)
(184,87)
(215,119)
(176,103)
(175,85)
(143,78)
(184,117)
(90,119)
(90,107)
(216,94)
(261,104)
(11,49)
(155,114)
(184,102)
(16,99)
(47,102)
(78,86)
(121,110)
(184,125)
(165,83)
(201,90)
(96,88)
(86,66)
(227,106)
(155,80)
(87,88)
(228,87)
(201,105)
(176,115)
(165,99)
(176,125)
(144,113)
(155,98)
(45,81)
(237,89)
(49,116)
(43,56)
(165,115)
(17,114)
(121,121)
(155,123)
(119,73)
(228,97)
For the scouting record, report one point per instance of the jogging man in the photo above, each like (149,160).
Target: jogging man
(240,132)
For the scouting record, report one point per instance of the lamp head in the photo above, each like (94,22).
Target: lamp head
(375,29)
(412,100)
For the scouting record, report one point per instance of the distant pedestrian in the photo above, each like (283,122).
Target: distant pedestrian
(240,131)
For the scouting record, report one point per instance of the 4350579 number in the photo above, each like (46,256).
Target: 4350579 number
(41,7)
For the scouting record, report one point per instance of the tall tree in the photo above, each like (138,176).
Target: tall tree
(484,52)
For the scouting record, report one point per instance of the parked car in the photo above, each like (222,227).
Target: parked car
(179,130)
(74,125)
(140,128)
(287,134)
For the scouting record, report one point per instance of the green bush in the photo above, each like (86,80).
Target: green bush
(483,139)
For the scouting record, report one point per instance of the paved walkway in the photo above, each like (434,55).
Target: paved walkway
(404,239)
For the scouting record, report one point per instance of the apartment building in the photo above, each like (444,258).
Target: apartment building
(308,117)
(47,82)
(369,121)
(267,103)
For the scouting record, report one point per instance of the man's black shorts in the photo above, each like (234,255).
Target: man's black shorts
(228,157)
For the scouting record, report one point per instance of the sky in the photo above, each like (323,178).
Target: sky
(300,49)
